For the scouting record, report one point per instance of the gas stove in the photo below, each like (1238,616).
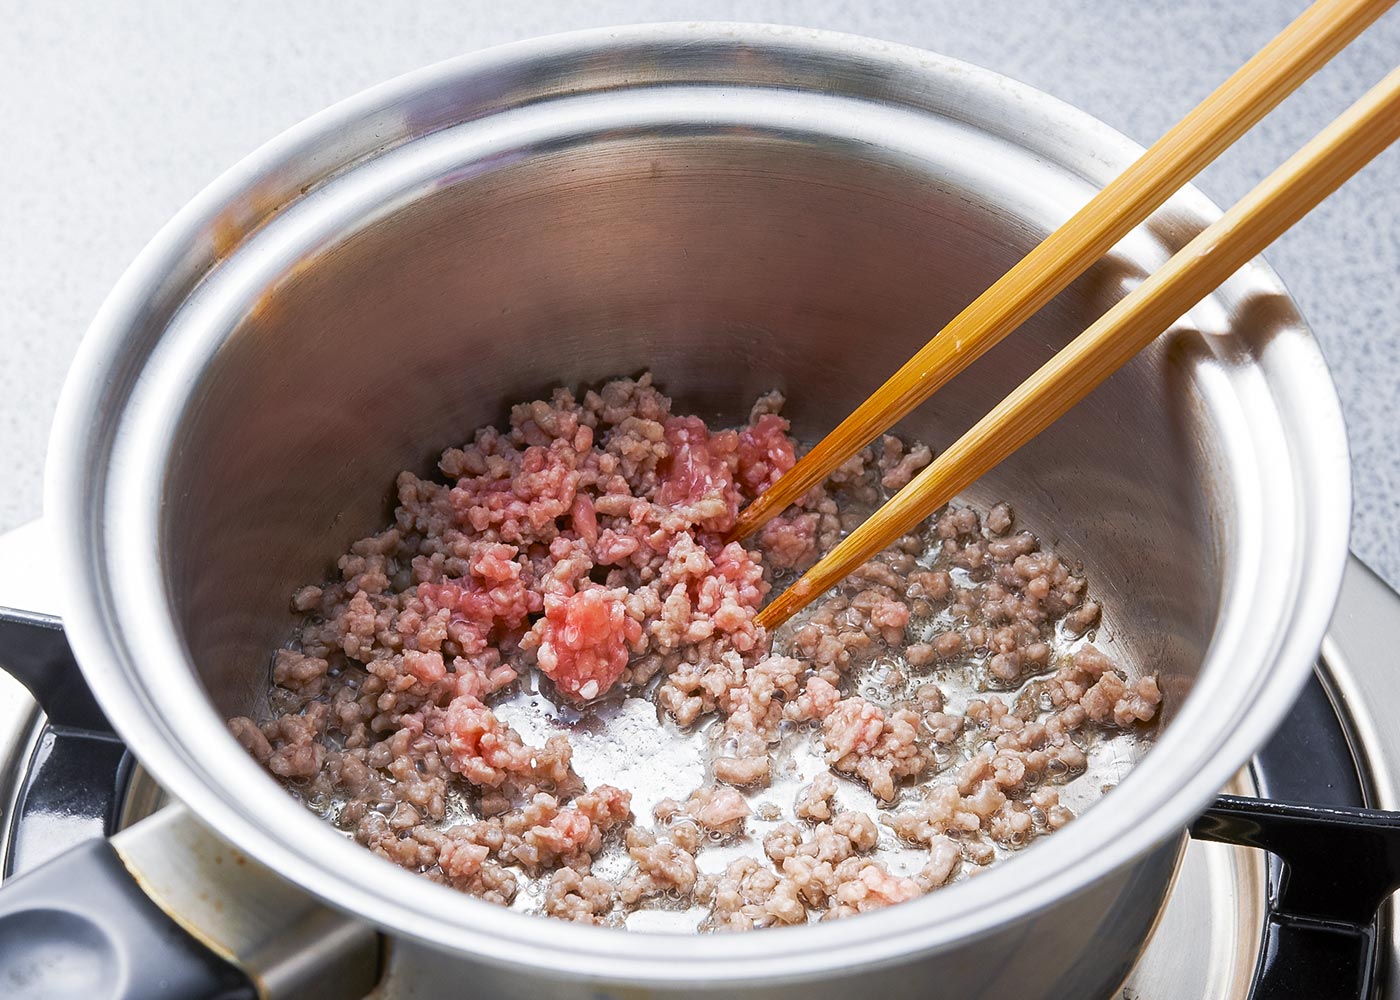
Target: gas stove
(1240,923)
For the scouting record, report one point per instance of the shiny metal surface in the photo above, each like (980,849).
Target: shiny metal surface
(289,945)
(735,208)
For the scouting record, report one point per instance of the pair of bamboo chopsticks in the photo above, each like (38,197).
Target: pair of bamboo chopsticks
(1279,201)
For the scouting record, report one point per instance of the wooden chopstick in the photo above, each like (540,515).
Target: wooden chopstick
(1280,200)
(1319,33)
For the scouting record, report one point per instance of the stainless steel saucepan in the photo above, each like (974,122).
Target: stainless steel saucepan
(736,208)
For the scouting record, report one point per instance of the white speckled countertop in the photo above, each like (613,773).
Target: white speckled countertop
(116,114)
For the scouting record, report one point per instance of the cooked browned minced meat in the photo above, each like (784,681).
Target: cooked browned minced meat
(585,542)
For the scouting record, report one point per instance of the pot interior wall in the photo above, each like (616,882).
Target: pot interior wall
(727,264)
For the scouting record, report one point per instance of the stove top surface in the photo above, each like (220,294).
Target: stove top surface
(1336,749)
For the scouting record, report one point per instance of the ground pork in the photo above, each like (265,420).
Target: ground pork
(815,801)
(879,747)
(583,898)
(663,866)
(719,810)
(750,895)
(584,641)
(582,548)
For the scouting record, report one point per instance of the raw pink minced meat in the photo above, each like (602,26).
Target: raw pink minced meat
(585,641)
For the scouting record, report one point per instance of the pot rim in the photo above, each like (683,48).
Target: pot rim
(1147,811)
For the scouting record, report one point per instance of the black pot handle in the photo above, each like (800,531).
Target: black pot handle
(76,780)
(34,651)
(1339,865)
(75,919)
(80,926)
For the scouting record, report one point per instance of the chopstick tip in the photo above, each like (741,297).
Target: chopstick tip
(747,522)
(785,605)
